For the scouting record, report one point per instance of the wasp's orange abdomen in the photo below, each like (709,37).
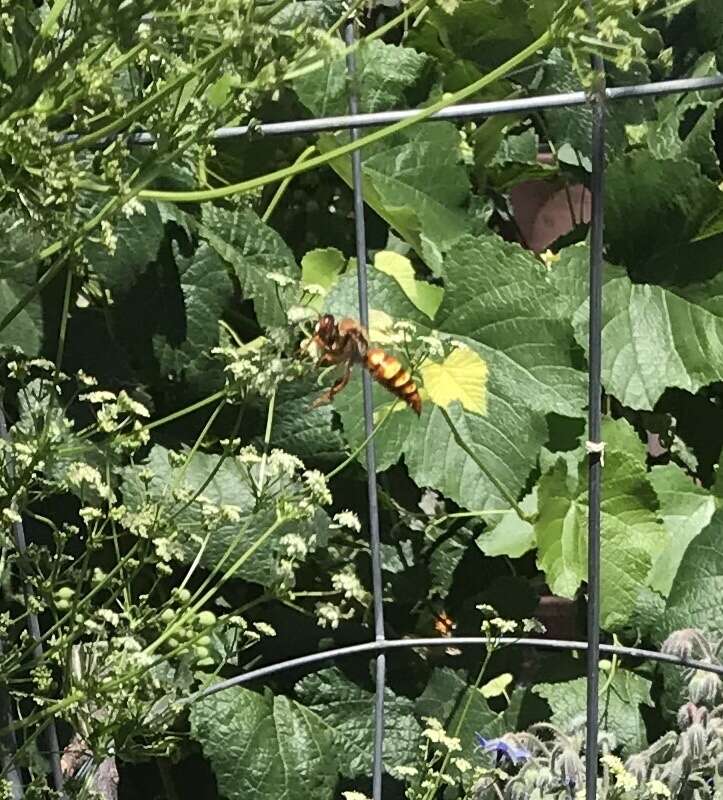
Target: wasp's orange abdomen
(388,371)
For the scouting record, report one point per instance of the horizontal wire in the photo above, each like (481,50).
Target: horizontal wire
(457,112)
(456,641)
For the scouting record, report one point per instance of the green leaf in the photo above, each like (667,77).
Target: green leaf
(686,510)
(322,268)
(516,160)
(653,209)
(503,298)
(631,537)
(309,433)
(207,290)
(694,599)
(511,536)
(220,541)
(619,706)
(485,32)
(385,73)
(26,330)
(425,296)
(254,250)
(443,560)
(137,239)
(348,711)
(654,339)
(261,746)
(415,181)
(573,126)
(497,294)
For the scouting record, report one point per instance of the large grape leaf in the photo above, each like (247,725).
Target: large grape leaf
(500,302)
(261,746)
(222,482)
(654,338)
(207,290)
(686,509)
(385,73)
(309,433)
(254,250)
(653,210)
(618,706)
(348,711)
(670,136)
(19,243)
(136,242)
(415,181)
(694,599)
(632,536)
(503,298)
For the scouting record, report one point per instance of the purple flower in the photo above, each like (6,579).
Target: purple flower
(501,747)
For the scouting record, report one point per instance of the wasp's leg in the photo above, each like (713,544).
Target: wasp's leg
(330,394)
(342,382)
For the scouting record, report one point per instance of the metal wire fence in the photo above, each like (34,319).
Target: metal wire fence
(381,645)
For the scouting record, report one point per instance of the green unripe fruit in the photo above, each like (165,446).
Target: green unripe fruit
(183,595)
(206,619)
(168,615)
(62,604)
(65,593)
(201,652)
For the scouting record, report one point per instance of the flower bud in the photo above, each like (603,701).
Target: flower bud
(571,768)
(704,687)
(693,741)
(684,643)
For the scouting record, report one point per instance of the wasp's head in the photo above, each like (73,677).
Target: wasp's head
(325,328)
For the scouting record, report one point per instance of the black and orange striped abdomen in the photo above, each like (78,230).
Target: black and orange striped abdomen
(389,372)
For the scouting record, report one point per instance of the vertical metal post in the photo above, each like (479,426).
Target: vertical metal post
(595,455)
(33,626)
(377,586)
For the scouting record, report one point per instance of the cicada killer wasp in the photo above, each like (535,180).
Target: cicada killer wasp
(346,342)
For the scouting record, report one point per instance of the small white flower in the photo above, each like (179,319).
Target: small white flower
(347,519)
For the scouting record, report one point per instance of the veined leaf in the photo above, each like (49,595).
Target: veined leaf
(653,339)
(347,711)
(262,746)
(619,706)
(425,296)
(254,250)
(632,536)
(461,377)
(686,510)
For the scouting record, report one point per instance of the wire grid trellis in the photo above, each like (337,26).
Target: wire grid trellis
(353,122)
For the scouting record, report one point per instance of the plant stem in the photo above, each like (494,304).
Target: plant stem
(201,196)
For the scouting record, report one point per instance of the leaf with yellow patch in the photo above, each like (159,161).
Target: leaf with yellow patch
(425,296)
(461,377)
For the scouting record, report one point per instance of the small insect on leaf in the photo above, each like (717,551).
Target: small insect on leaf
(461,377)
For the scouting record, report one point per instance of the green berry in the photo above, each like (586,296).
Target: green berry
(65,593)
(167,616)
(206,619)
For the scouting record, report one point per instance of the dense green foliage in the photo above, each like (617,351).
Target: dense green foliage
(190,514)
